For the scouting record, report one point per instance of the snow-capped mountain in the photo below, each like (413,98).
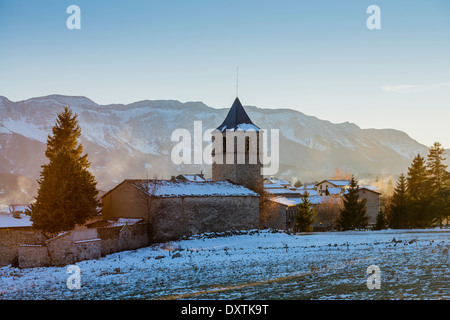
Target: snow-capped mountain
(134,140)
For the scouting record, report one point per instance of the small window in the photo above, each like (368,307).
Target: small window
(247,144)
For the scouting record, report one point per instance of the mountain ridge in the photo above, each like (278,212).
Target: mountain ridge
(134,140)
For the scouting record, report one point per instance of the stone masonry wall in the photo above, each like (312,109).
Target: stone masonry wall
(183,216)
(120,238)
(11,238)
(31,249)
(31,256)
(62,250)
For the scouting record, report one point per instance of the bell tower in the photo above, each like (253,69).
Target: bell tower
(236,150)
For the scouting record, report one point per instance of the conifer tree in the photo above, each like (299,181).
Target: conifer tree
(436,168)
(398,211)
(67,193)
(418,179)
(306,215)
(439,182)
(381,221)
(419,192)
(353,215)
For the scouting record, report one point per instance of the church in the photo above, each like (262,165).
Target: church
(179,207)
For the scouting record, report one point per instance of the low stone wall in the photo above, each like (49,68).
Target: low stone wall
(31,256)
(84,244)
(62,250)
(11,238)
(120,238)
(88,249)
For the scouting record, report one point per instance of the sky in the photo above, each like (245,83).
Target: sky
(317,57)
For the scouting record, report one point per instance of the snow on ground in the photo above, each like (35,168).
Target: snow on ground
(264,265)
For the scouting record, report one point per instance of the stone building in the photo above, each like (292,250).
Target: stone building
(188,204)
(174,209)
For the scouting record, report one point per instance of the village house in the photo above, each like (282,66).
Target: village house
(282,202)
(181,208)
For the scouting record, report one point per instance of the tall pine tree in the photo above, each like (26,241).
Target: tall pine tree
(398,210)
(67,193)
(439,183)
(419,191)
(436,168)
(305,216)
(353,215)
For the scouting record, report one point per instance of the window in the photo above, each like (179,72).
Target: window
(247,145)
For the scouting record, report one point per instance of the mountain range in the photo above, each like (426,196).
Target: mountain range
(134,141)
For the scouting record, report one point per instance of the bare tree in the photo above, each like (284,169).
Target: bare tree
(152,206)
(328,211)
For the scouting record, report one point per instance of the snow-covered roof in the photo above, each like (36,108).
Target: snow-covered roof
(123,222)
(334,190)
(282,191)
(273,186)
(165,188)
(277,180)
(370,188)
(337,183)
(310,192)
(297,201)
(191,177)
(18,207)
(8,221)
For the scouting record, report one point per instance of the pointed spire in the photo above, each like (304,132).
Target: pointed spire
(237,119)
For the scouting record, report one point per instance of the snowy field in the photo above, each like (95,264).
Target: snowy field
(262,265)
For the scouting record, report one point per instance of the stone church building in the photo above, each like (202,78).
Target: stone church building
(175,208)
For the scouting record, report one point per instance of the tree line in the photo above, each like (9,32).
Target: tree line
(421,198)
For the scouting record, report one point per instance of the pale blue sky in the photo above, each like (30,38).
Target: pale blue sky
(317,57)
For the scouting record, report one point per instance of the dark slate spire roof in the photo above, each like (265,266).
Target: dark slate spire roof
(237,119)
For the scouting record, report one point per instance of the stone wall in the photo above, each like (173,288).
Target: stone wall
(88,249)
(31,256)
(173,218)
(11,238)
(120,238)
(62,250)
(77,245)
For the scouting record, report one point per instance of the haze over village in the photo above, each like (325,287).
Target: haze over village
(254,150)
